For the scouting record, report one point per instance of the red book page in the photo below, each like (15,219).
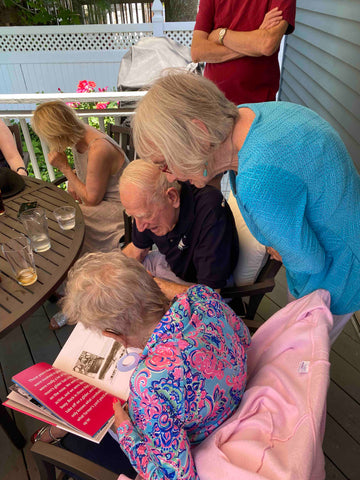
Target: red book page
(83,406)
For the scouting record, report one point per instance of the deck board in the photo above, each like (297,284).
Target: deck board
(342,436)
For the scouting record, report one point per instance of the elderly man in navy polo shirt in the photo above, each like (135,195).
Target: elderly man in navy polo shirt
(193,229)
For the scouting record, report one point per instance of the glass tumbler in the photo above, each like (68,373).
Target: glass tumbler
(20,256)
(36,228)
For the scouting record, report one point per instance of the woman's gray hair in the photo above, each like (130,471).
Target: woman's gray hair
(109,290)
(169,119)
(148,178)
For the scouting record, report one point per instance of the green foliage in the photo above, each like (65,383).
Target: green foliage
(42,12)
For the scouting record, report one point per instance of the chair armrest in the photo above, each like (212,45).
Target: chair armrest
(246,290)
(47,456)
(60,180)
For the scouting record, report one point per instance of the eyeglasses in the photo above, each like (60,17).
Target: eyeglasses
(164,168)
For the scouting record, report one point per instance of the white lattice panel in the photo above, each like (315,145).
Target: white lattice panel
(52,42)
(184,37)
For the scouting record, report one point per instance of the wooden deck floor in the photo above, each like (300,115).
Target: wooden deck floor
(34,342)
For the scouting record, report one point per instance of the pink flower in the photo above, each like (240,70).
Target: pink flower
(73,104)
(85,87)
(101,106)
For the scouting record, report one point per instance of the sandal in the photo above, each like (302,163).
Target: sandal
(36,436)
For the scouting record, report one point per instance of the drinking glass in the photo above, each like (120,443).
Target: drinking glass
(20,256)
(65,217)
(36,227)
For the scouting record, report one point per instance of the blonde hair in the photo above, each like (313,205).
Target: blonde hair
(110,290)
(58,125)
(148,178)
(165,123)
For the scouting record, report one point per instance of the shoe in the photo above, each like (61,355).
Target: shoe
(57,321)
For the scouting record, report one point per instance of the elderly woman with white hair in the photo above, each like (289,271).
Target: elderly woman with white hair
(191,374)
(294,181)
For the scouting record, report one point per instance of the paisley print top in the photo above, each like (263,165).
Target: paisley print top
(190,379)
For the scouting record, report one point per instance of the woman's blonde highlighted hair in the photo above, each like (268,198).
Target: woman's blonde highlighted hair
(168,122)
(57,124)
(109,290)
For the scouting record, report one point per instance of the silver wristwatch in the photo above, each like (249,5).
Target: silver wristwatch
(222,34)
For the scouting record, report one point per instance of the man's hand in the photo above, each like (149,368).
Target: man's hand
(214,36)
(271,19)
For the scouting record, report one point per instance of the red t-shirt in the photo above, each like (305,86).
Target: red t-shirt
(246,79)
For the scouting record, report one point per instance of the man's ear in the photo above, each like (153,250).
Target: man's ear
(173,196)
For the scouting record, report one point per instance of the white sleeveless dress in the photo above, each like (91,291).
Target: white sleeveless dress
(104,223)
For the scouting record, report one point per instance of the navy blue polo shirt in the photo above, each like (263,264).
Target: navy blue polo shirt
(203,246)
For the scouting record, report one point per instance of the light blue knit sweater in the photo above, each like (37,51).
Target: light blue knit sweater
(299,193)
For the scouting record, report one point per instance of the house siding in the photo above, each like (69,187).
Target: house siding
(321,65)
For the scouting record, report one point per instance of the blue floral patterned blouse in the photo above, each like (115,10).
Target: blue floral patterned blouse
(190,379)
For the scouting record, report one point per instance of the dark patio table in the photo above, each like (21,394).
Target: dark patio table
(18,302)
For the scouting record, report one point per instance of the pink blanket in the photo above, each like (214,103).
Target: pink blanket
(277,431)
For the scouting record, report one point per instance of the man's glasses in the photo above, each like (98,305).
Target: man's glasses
(164,168)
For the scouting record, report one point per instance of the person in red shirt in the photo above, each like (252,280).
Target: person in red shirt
(239,41)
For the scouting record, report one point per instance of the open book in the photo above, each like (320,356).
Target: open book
(76,392)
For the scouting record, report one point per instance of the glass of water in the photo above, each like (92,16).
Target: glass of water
(65,217)
(36,228)
(18,253)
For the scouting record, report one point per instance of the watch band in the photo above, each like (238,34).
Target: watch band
(22,168)
(222,34)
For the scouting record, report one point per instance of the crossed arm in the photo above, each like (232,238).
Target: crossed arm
(255,43)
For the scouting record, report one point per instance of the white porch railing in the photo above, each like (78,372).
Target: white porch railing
(46,58)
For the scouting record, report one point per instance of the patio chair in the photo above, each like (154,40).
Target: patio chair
(16,134)
(278,429)
(122,135)
(254,274)
(245,299)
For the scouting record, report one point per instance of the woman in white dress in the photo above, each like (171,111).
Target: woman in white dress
(99,162)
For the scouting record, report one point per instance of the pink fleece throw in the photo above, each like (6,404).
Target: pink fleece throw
(278,430)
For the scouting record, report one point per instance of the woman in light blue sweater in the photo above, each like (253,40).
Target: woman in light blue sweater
(295,183)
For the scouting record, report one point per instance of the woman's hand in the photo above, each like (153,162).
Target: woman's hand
(120,413)
(271,19)
(58,160)
(274,255)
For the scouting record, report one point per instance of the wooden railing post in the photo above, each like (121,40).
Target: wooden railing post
(157,19)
